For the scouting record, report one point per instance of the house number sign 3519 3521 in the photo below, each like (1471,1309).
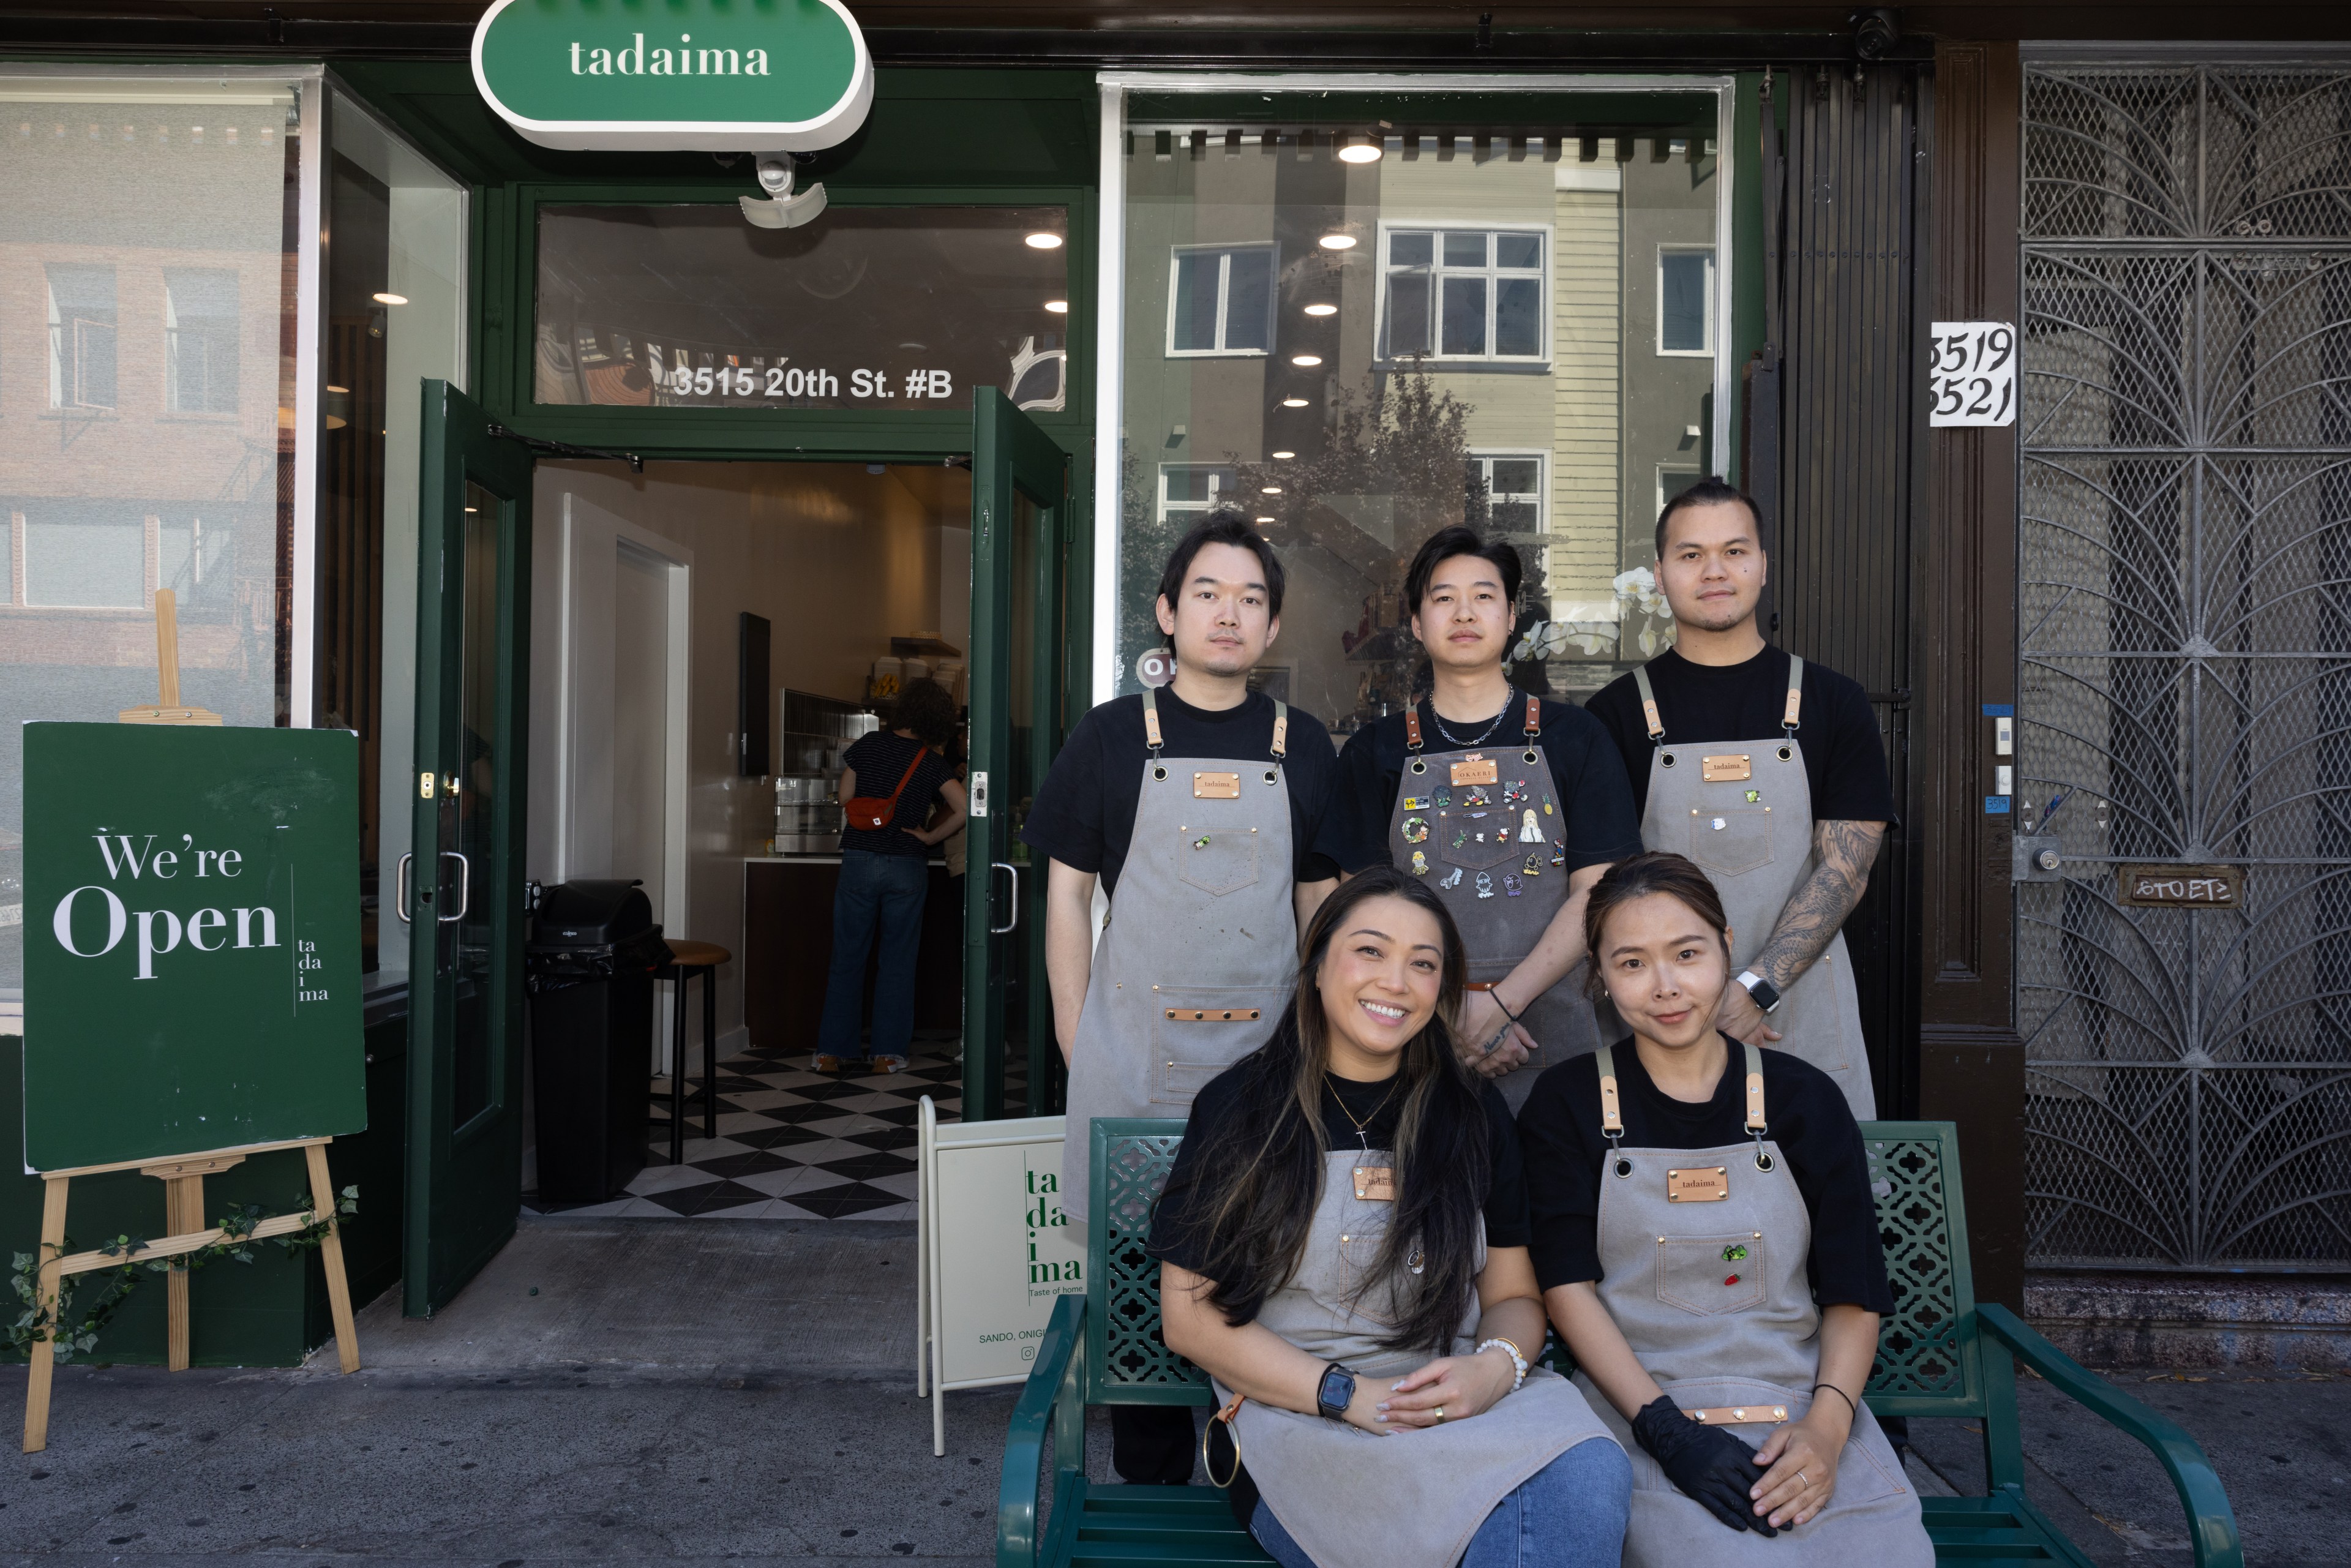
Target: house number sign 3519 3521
(1972,373)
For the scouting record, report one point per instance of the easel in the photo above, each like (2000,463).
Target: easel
(182,1176)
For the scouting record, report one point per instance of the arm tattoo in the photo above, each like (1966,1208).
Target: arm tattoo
(1841,852)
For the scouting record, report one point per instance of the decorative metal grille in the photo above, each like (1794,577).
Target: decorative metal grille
(1919,1351)
(2184,622)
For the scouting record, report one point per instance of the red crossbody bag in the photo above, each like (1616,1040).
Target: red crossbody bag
(871,812)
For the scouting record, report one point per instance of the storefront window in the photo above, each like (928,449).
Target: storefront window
(395,271)
(865,308)
(1363,318)
(149,342)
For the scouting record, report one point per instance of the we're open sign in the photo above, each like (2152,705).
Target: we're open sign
(192,940)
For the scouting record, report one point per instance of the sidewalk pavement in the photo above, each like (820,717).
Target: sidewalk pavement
(742,1392)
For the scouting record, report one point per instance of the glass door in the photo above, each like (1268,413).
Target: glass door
(1021,513)
(460,890)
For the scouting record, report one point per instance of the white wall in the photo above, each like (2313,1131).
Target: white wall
(836,558)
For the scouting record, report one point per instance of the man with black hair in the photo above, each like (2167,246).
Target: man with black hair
(1510,806)
(1196,807)
(1787,828)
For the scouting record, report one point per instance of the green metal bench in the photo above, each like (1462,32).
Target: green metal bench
(1938,1354)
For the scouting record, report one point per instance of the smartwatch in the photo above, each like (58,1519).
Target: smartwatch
(1336,1392)
(1766,995)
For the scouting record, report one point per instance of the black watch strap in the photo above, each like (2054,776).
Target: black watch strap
(1335,1392)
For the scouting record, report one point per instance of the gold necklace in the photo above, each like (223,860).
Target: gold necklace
(1362,1136)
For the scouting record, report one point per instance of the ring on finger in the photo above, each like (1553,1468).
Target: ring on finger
(1800,1476)
(1441,1415)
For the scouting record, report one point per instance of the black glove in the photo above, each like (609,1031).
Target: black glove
(1711,1466)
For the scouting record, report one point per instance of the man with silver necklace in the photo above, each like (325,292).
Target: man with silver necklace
(1509,805)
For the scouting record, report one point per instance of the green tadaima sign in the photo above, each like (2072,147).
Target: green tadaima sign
(719,76)
(192,940)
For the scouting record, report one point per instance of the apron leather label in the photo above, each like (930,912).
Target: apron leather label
(1212,1015)
(1224,786)
(1475,769)
(1725,770)
(1701,1184)
(1375,1183)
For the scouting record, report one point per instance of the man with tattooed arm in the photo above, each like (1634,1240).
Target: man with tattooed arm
(1768,773)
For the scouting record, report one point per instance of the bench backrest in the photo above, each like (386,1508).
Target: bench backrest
(1928,1363)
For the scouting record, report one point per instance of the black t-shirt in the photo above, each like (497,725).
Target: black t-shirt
(881,759)
(1176,1228)
(1083,814)
(1601,823)
(1565,1152)
(1845,757)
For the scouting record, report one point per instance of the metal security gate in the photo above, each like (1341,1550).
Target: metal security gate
(2184,624)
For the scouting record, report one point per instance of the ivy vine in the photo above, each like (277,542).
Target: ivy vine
(68,1335)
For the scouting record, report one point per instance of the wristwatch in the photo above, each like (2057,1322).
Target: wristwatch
(1766,995)
(1336,1392)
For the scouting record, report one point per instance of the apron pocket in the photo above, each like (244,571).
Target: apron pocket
(1217,860)
(1862,1478)
(1187,1050)
(1709,1275)
(1499,844)
(1730,839)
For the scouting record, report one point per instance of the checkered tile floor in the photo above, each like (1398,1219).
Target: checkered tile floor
(792,1144)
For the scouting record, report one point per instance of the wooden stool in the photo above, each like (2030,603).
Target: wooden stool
(688,959)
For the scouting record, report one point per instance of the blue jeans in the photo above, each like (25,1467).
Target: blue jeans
(883,892)
(1569,1514)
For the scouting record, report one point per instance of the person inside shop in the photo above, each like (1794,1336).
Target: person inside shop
(1342,1247)
(1511,808)
(886,874)
(1766,769)
(1195,808)
(1707,1243)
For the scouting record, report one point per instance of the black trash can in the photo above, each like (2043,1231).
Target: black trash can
(589,967)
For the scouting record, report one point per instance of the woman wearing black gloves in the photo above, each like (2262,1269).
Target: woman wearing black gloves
(1707,1248)
(1342,1246)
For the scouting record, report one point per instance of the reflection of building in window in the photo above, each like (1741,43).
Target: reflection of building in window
(1463,294)
(192,557)
(86,555)
(1188,489)
(1671,481)
(1685,301)
(1221,299)
(200,341)
(1514,484)
(81,337)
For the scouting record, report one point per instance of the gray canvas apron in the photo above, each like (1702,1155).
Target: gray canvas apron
(1485,827)
(1743,810)
(1199,950)
(1709,1288)
(1412,1500)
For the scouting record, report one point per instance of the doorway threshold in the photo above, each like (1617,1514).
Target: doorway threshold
(792,1144)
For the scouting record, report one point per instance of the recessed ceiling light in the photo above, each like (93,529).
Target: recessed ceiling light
(1057,306)
(1306,359)
(1293,403)
(1265,519)
(1322,309)
(1337,242)
(1269,490)
(1043,240)
(391,299)
(1281,454)
(1360,153)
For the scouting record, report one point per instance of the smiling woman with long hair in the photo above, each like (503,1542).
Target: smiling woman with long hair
(1707,1245)
(1343,1248)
